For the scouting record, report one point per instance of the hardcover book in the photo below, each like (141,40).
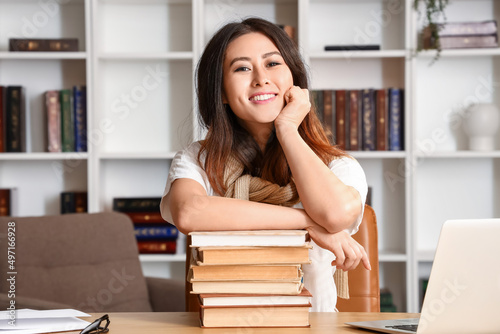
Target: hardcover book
(463,42)
(458,35)
(317,98)
(15,122)
(153,217)
(328,112)
(353,47)
(469,28)
(165,231)
(80,117)
(287,287)
(157,246)
(369,120)
(67,120)
(250,238)
(381,100)
(255,316)
(53,112)
(251,255)
(354,120)
(5,202)
(43,44)
(8,202)
(220,299)
(340,114)
(238,272)
(2,119)
(395,116)
(136,204)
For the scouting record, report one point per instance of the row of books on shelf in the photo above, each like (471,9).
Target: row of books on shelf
(250,278)
(154,235)
(460,35)
(66,119)
(66,112)
(8,202)
(363,119)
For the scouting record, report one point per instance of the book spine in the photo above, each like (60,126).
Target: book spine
(317,97)
(80,117)
(2,120)
(67,122)
(15,126)
(63,44)
(368,122)
(5,202)
(467,28)
(381,98)
(81,202)
(67,202)
(354,120)
(157,247)
(53,121)
(455,42)
(23,44)
(137,204)
(395,120)
(146,217)
(328,112)
(156,232)
(74,202)
(347,120)
(353,47)
(340,104)
(43,44)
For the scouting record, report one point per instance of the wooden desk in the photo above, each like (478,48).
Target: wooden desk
(188,322)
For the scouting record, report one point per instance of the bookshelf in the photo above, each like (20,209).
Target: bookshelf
(137,59)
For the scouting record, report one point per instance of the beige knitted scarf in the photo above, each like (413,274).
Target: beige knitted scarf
(256,189)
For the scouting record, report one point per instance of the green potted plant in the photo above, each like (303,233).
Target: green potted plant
(434,9)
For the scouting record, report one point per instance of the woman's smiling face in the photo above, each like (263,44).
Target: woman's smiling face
(255,80)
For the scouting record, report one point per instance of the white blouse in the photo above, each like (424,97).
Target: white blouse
(318,276)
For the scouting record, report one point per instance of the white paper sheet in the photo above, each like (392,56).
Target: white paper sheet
(32,321)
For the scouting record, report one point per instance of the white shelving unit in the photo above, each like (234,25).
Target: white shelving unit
(138,58)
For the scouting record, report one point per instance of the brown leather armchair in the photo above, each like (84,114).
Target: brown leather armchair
(364,286)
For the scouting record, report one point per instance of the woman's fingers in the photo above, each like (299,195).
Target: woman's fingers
(348,252)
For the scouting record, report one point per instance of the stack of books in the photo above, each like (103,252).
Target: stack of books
(250,278)
(154,235)
(460,35)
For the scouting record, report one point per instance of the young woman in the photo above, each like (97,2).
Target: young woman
(266,162)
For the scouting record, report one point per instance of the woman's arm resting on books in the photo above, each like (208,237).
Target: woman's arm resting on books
(188,206)
(348,252)
(326,199)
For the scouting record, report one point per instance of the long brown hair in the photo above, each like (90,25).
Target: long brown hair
(225,136)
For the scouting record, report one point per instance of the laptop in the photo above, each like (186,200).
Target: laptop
(463,294)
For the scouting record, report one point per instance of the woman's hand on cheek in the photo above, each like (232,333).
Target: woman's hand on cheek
(348,252)
(297,105)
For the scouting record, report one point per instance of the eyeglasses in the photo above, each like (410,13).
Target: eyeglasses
(95,327)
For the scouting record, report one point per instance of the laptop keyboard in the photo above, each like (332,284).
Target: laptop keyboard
(410,328)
